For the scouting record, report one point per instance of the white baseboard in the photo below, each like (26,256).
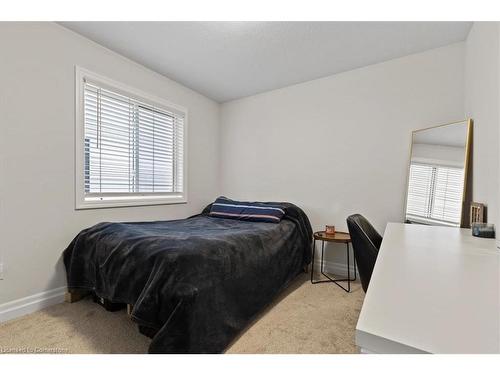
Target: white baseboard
(335,268)
(30,304)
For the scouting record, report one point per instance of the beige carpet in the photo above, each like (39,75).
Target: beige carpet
(306,318)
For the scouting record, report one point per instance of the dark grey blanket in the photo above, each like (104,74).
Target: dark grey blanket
(194,283)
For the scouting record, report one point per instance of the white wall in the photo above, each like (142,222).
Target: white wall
(340,145)
(481,104)
(37,215)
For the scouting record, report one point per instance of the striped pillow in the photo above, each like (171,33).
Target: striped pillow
(250,211)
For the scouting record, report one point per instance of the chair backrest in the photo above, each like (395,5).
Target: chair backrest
(366,243)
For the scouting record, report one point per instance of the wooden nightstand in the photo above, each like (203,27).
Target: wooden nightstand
(338,237)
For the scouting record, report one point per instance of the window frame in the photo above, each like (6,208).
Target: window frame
(107,200)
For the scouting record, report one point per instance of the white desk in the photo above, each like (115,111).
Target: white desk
(434,290)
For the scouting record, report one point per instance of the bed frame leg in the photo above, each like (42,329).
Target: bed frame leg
(73,296)
(129,310)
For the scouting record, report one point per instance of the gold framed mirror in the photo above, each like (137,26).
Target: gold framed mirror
(438,190)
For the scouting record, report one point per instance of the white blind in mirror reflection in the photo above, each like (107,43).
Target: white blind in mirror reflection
(435,194)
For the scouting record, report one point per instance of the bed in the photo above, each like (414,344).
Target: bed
(195,283)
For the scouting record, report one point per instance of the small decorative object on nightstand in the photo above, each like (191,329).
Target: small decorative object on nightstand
(337,237)
(330,229)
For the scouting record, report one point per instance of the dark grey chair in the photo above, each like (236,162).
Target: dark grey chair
(366,243)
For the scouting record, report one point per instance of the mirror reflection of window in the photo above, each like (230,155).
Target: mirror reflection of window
(437,175)
(435,194)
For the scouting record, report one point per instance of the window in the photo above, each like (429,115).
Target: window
(130,146)
(435,194)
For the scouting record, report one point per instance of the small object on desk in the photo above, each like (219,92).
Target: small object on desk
(330,229)
(483,230)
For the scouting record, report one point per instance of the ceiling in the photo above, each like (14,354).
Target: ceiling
(453,135)
(230,60)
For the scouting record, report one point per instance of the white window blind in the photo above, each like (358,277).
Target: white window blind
(133,149)
(435,194)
